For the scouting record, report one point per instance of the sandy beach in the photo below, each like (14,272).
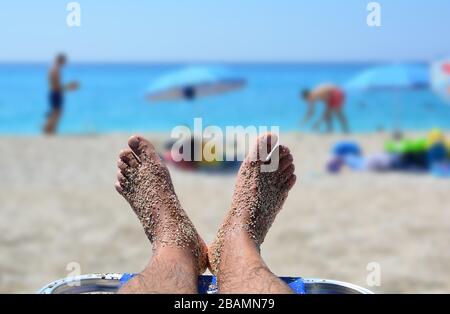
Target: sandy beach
(58,205)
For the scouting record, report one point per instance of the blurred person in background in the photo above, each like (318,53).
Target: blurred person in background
(334,99)
(56,94)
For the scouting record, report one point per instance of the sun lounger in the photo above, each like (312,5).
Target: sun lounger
(110,283)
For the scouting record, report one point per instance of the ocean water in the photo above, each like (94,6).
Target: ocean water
(111,99)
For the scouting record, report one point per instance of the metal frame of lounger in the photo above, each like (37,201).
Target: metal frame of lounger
(110,283)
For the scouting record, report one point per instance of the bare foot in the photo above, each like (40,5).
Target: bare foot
(144,181)
(257,199)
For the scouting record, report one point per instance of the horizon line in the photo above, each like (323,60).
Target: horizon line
(229,62)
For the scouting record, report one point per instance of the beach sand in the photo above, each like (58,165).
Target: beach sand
(58,205)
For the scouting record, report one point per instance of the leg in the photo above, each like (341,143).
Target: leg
(243,270)
(342,119)
(179,254)
(52,122)
(316,126)
(235,254)
(328,120)
(170,270)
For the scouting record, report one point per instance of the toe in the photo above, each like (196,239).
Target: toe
(127,157)
(289,171)
(266,144)
(268,140)
(285,162)
(263,147)
(286,175)
(142,147)
(121,178)
(122,166)
(118,187)
(284,151)
(290,182)
(125,169)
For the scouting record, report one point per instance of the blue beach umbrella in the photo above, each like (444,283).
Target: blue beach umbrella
(194,82)
(394,78)
(391,77)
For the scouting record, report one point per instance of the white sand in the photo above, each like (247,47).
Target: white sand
(58,205)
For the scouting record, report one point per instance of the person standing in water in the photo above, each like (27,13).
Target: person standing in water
(334,99)
(56,94)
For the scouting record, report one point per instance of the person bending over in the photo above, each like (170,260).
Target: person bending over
(334,99)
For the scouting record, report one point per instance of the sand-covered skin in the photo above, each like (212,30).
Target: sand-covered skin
(58,206)
(257,199)
(145,183)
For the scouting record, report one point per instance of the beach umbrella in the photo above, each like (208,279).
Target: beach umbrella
(194,82)
(395,78)
(440,78)
(391,77)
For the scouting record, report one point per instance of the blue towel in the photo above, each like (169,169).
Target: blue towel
(208,284)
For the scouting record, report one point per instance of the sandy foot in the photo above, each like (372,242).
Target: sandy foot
(144,181)
(257,199)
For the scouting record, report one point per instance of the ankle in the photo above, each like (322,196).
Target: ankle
(238,240)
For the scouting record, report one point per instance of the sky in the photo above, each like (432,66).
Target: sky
(225,31)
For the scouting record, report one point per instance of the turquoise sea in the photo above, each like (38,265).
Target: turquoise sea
(111,99)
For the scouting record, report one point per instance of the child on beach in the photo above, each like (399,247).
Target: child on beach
(179,253)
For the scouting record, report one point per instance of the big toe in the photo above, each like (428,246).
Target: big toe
(267,142)
(263,147)
(142,147)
